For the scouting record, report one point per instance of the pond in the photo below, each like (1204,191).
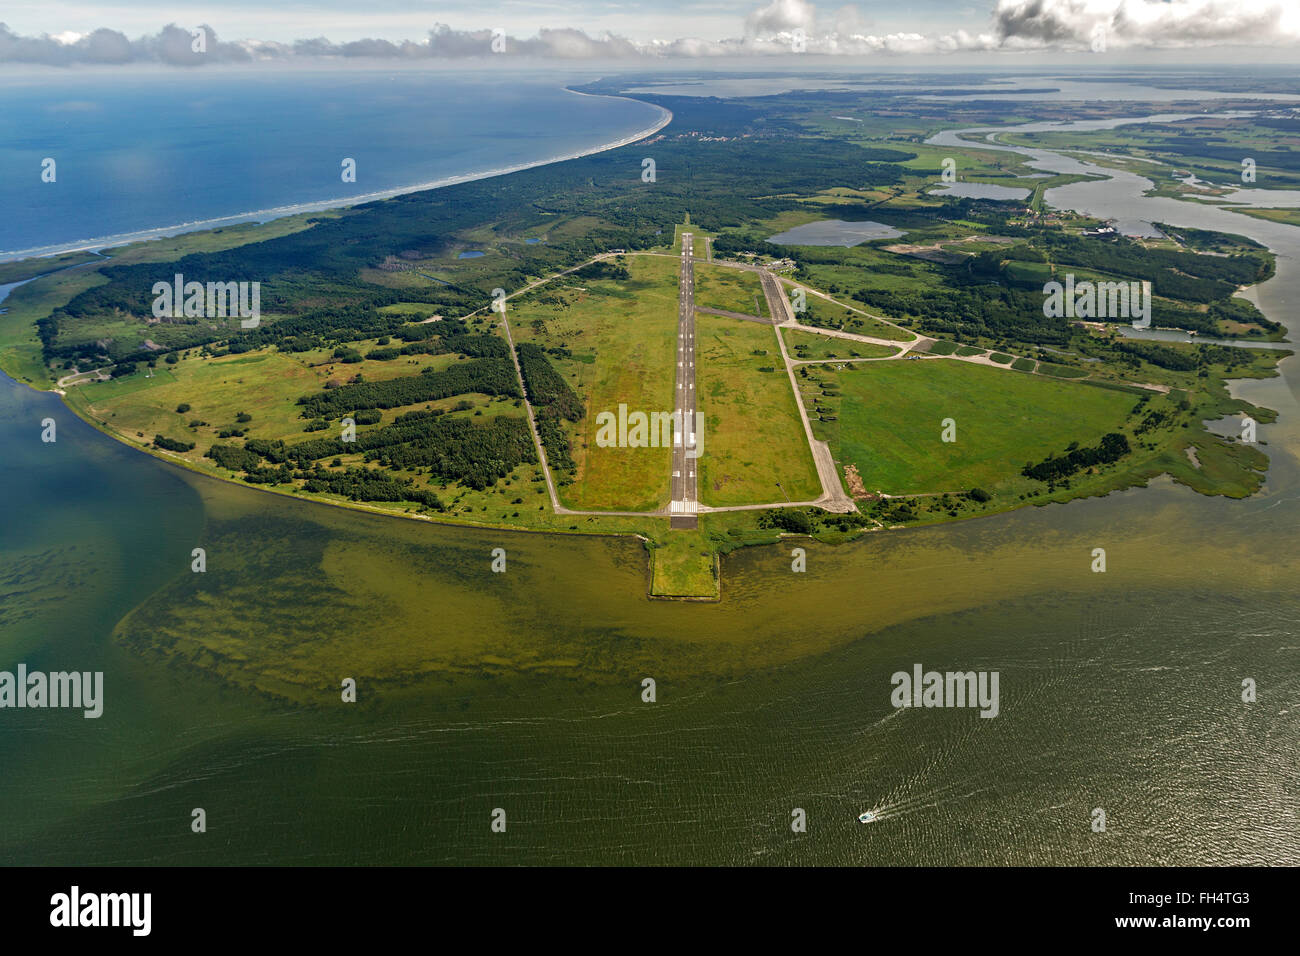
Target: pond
(835,232)
(980,191)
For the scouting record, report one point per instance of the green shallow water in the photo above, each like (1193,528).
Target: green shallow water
(522,690)
(1118,691)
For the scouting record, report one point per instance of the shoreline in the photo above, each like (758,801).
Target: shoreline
(1133,482)
(439,519)
(262,216)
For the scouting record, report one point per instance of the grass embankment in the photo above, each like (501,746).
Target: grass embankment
(684,564)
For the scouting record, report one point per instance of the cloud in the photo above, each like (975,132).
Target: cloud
(1076,24)
(781,16)
(170,45)
(175,46)
(104,46)
(574,44)
(779,27)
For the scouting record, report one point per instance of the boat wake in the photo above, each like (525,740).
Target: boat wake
(916,803)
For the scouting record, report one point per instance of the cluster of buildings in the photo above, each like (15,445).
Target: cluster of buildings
(1034,218)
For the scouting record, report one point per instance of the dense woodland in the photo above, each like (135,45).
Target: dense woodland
(491,376)
(552,400)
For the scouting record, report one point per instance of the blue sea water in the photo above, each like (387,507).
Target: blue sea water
(142,153)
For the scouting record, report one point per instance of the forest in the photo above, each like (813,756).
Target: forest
(490,376)
(448,449)
(552,399)
(1112,448)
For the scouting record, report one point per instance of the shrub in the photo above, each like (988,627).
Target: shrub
(170,444)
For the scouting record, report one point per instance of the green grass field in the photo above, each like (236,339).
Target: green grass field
(20,346)
(410,311)
(891,414)
(1061,371)
(698,235)
(266,384)
(755,449)
(810,346)
(732,290)
(623,336)
(1289,216)
(22,269)
(684,565)
(828,314)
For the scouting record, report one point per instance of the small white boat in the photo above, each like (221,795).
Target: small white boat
(869,816)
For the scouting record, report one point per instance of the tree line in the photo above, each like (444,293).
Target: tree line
(490,376)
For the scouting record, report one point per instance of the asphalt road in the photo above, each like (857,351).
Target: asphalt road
(685,499)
